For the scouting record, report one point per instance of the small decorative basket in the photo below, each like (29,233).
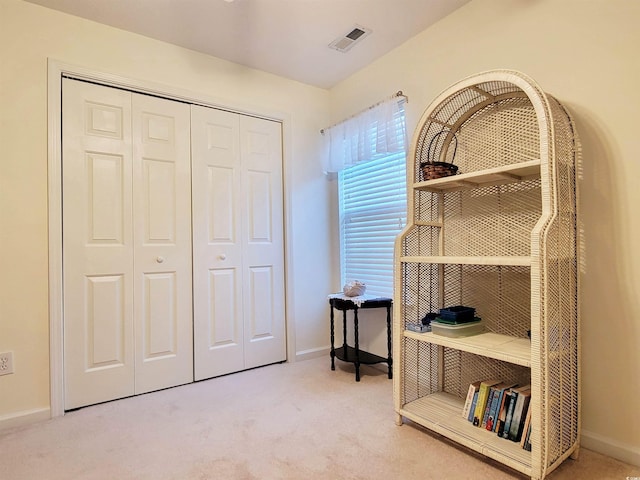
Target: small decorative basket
(432,170)
(354,289)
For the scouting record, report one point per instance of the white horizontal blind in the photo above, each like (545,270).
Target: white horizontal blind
(373,206)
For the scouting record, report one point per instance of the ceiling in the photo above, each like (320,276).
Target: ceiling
(288,38)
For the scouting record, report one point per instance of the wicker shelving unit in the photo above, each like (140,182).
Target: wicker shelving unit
(500,236)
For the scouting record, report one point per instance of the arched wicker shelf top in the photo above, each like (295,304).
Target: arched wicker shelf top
(485,122)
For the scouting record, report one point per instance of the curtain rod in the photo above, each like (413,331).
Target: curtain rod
(395,95)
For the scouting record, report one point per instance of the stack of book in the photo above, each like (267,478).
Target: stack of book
(500,407)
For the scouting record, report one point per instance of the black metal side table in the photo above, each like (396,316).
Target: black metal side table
(347,353)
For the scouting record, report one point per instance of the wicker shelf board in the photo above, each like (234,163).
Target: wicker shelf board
(441,412)
(443,259)
(494,176)
(491,345)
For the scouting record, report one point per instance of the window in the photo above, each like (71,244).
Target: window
(369,152)
(373,206)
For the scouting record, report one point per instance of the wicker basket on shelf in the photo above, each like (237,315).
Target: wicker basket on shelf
(432,169)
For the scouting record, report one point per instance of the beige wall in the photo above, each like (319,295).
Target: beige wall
(29,35)
(585,53)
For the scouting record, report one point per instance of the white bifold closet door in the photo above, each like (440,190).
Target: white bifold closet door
(238,272)
(126,243)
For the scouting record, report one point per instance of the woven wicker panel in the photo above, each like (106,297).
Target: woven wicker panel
(421,240)
(498,88)
(419,292)
(560,326)
(426,206)
(500,295)
(420,370)
(442,120)
(463,368)
(499,133)
(455,106)
(492,221)
(422,377)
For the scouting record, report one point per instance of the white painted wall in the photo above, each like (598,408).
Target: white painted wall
(585,53)
(31,34)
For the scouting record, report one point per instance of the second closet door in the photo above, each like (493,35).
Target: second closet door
(239,318)
(162,243)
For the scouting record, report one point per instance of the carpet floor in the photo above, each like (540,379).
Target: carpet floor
(290,421)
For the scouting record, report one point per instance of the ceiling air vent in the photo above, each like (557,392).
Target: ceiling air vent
(346,42)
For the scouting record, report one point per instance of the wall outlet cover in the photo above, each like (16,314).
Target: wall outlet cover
(6,363)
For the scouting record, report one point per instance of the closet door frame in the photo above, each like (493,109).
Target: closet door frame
(56,70)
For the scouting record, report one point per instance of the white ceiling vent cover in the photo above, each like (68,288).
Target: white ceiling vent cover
(346,42)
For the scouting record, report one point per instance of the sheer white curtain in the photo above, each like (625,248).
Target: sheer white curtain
(378,130)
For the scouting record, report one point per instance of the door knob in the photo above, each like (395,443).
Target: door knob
(159,259)
(222,256)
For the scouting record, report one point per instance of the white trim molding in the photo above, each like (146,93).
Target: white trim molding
(55,71)
(54,165)
(26,417)
(610,447)
(313,353)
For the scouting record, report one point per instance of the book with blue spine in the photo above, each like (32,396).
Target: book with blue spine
(487,409)
(498,399)
(481,404)
(502,415)
(473,407)
(519,413)
(513,394)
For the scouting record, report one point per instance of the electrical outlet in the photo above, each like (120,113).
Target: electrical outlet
(6,363)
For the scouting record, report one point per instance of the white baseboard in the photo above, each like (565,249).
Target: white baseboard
(610,447)
(26,417)
(312,353)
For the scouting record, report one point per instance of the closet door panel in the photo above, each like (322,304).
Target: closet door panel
(223,329)
(160,320)
(105,321)
(263,242)
(261,316)
(259,208)
(97,244)
(159,197)
(162,237)
(105,198)
(217,248)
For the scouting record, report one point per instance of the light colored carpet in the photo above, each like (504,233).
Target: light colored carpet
(291,421)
